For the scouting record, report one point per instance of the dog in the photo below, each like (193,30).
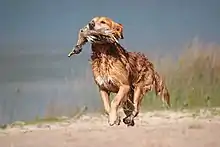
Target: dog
(111,70)
(143,76)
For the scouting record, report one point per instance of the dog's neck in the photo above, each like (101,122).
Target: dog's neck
(113,50)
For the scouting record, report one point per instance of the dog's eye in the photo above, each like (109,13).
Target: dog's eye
(118,29)
(103,22)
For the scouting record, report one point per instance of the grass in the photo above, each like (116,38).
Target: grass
(33,122)
(193,79)
(45,120)
(49,119)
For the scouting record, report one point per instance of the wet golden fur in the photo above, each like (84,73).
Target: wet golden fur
(110,61)
(144,79)
(159,83)
(129,74)
(112,73)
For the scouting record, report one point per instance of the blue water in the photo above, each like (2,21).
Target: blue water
(32,83)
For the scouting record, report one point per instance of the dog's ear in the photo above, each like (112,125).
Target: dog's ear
(122,33)
(120,25)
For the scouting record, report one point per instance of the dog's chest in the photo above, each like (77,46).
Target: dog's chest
(106,82)
(109,72)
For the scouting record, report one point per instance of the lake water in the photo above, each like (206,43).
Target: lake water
(41,84)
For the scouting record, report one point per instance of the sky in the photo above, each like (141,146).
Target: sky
(53,24)
(37,35)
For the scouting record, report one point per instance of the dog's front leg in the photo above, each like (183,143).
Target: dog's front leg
(105,99)
(123,91)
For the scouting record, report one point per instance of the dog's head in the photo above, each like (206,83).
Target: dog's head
(102,22)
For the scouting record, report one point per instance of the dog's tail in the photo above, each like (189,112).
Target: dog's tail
(161,89)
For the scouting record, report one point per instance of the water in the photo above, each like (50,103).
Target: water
(39,84)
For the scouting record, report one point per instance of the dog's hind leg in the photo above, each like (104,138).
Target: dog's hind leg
(129,119)
(128,106)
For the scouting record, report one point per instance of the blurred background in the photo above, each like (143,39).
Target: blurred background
(37,79)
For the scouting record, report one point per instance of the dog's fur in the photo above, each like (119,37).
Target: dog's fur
(111,70)
(132,110)
(114,68)
(159,85)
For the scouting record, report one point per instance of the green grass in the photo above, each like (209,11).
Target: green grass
(44,120)
(33,122)
(47,119)
(193,80)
